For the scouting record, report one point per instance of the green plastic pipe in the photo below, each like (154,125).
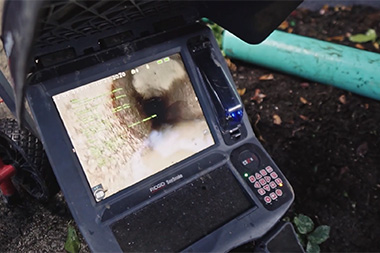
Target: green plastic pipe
(344,67)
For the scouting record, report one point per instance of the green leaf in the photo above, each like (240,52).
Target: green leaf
(312,248)
(370,35)
(319,235)
(303,224)
(301,239)
(217,31)
(72,244)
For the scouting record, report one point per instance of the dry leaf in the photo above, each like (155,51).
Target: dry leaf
(359,46)
(303,100)
(342,99)
(362,149)
(336,38)
(294,13)
(284,25)
(297,130)
(266,77)
(304,117)
(290,30)
(241,91)
(366,106)
(230,64)
(376,45)
(343,171)
(346,8)
(324,9)
(258,97)
(257,119)
(277,120)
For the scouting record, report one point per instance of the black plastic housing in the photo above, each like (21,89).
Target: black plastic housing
(102,223)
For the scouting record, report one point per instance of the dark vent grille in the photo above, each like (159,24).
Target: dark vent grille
(69,20)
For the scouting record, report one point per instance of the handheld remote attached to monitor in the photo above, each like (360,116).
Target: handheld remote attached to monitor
(153,150)
(226,101)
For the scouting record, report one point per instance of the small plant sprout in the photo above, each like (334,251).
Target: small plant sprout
(308,236)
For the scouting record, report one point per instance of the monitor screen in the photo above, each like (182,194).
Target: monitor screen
(133,124)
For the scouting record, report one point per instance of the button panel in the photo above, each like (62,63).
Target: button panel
(262,176)
(268,185)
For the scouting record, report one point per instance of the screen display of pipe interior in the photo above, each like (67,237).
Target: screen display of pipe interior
(131,125)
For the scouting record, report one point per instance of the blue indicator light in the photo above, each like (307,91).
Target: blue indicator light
(236,116)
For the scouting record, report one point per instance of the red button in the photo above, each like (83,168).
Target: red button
(261,191)
(257,185)
(273,175)
(267,178)
(273,195)
(272,185)
(262,181)
(278,181)
(269,169)
(258,176)
(252,179)
(266,187)
(267,199)
(279,192)
(263,172)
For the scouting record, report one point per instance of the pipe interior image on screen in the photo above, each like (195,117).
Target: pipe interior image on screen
(133,124)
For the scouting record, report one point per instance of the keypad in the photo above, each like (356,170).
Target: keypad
(262,176)
(267,184)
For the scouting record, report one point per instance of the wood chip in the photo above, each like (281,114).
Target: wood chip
(303,100)
(284,25)
(303,117)
(258,97)
(376,45)
(343,99)
(336,38)
(276,119)
(230,64)
(366,106)
(290,30)
(241,91)
(359,46)
(266,77)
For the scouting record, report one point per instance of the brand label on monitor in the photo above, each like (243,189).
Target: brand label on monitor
(162,184)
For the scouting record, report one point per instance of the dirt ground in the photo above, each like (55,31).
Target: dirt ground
(327,144)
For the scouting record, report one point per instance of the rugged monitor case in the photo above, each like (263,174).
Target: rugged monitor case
(215,200)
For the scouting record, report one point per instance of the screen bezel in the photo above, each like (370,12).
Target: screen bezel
(159,169)
(121,65)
